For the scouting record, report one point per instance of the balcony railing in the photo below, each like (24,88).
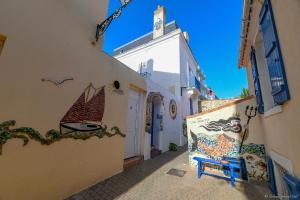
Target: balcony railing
(194,82)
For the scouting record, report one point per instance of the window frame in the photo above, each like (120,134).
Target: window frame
(256,81)
(280,93)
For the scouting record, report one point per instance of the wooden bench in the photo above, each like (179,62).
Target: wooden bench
(230,168)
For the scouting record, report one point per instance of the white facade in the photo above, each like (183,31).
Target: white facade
(170,68)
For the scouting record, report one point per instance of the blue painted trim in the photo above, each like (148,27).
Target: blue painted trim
(256,80)
(282,94)
(232,165)
(272,182)
(293,185)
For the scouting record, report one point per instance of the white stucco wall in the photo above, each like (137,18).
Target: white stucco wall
(168,59)
(162,60)
(187,62)
(172,131)
(161,57)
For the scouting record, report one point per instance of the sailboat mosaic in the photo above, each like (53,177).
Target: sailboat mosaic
(82,121)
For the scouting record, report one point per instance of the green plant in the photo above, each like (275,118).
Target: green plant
(245,93)
(172,147)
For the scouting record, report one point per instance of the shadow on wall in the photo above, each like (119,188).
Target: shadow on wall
(122,182)
(167,80)
(218,132)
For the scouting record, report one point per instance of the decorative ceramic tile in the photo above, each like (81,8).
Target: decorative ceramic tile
(215,139)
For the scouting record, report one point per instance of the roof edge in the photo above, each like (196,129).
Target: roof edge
(244,32)
(118,48)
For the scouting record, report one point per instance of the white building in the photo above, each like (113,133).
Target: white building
(165,59)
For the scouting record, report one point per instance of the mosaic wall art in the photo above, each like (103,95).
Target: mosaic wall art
(26,133)
(173,109)
(57,82)
(82,121)
(89,107)
(255,157)
(214,139)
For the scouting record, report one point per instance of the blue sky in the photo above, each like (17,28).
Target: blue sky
(214,29)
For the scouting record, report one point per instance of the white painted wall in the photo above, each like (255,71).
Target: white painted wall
(187,62)
(161,58)
(167,59)
(172,131)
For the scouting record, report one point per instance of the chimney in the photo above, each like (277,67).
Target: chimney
(159,23)
(186,36)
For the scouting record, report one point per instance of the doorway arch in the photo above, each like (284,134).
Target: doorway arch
(154,119)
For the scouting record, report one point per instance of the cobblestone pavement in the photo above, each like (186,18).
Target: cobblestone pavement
(150,181)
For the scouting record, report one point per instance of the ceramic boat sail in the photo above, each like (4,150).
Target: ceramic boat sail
(86,114)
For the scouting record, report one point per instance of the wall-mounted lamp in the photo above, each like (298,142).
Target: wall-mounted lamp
(117,86)
(101,28)
(181,90)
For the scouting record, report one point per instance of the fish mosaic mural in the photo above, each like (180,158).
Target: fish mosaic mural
(232,124)
(215,139)
(215,146)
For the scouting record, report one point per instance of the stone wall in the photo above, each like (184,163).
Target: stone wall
(205,105)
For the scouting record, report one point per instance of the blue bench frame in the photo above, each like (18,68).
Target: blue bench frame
(233,165)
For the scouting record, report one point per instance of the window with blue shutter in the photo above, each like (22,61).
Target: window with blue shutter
(257,87)
(280,91)
(197,84)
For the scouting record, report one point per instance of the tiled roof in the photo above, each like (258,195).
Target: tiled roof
(170,27)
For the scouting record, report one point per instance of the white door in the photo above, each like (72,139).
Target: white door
(132,137)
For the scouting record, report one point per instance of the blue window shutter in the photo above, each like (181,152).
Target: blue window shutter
(280,90)
(257,87)
(293,185)
(272,183)
(197,84)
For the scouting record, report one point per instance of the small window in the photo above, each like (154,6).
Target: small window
(2,41)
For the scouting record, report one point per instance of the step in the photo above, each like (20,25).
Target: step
(131,162)
(155,152)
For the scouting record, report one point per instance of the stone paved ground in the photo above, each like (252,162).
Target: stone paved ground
(149,181)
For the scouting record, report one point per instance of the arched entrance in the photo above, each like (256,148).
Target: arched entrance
(154,121)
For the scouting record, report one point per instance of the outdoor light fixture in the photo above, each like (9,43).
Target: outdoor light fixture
(117,87)
(101,28)
(181,90)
